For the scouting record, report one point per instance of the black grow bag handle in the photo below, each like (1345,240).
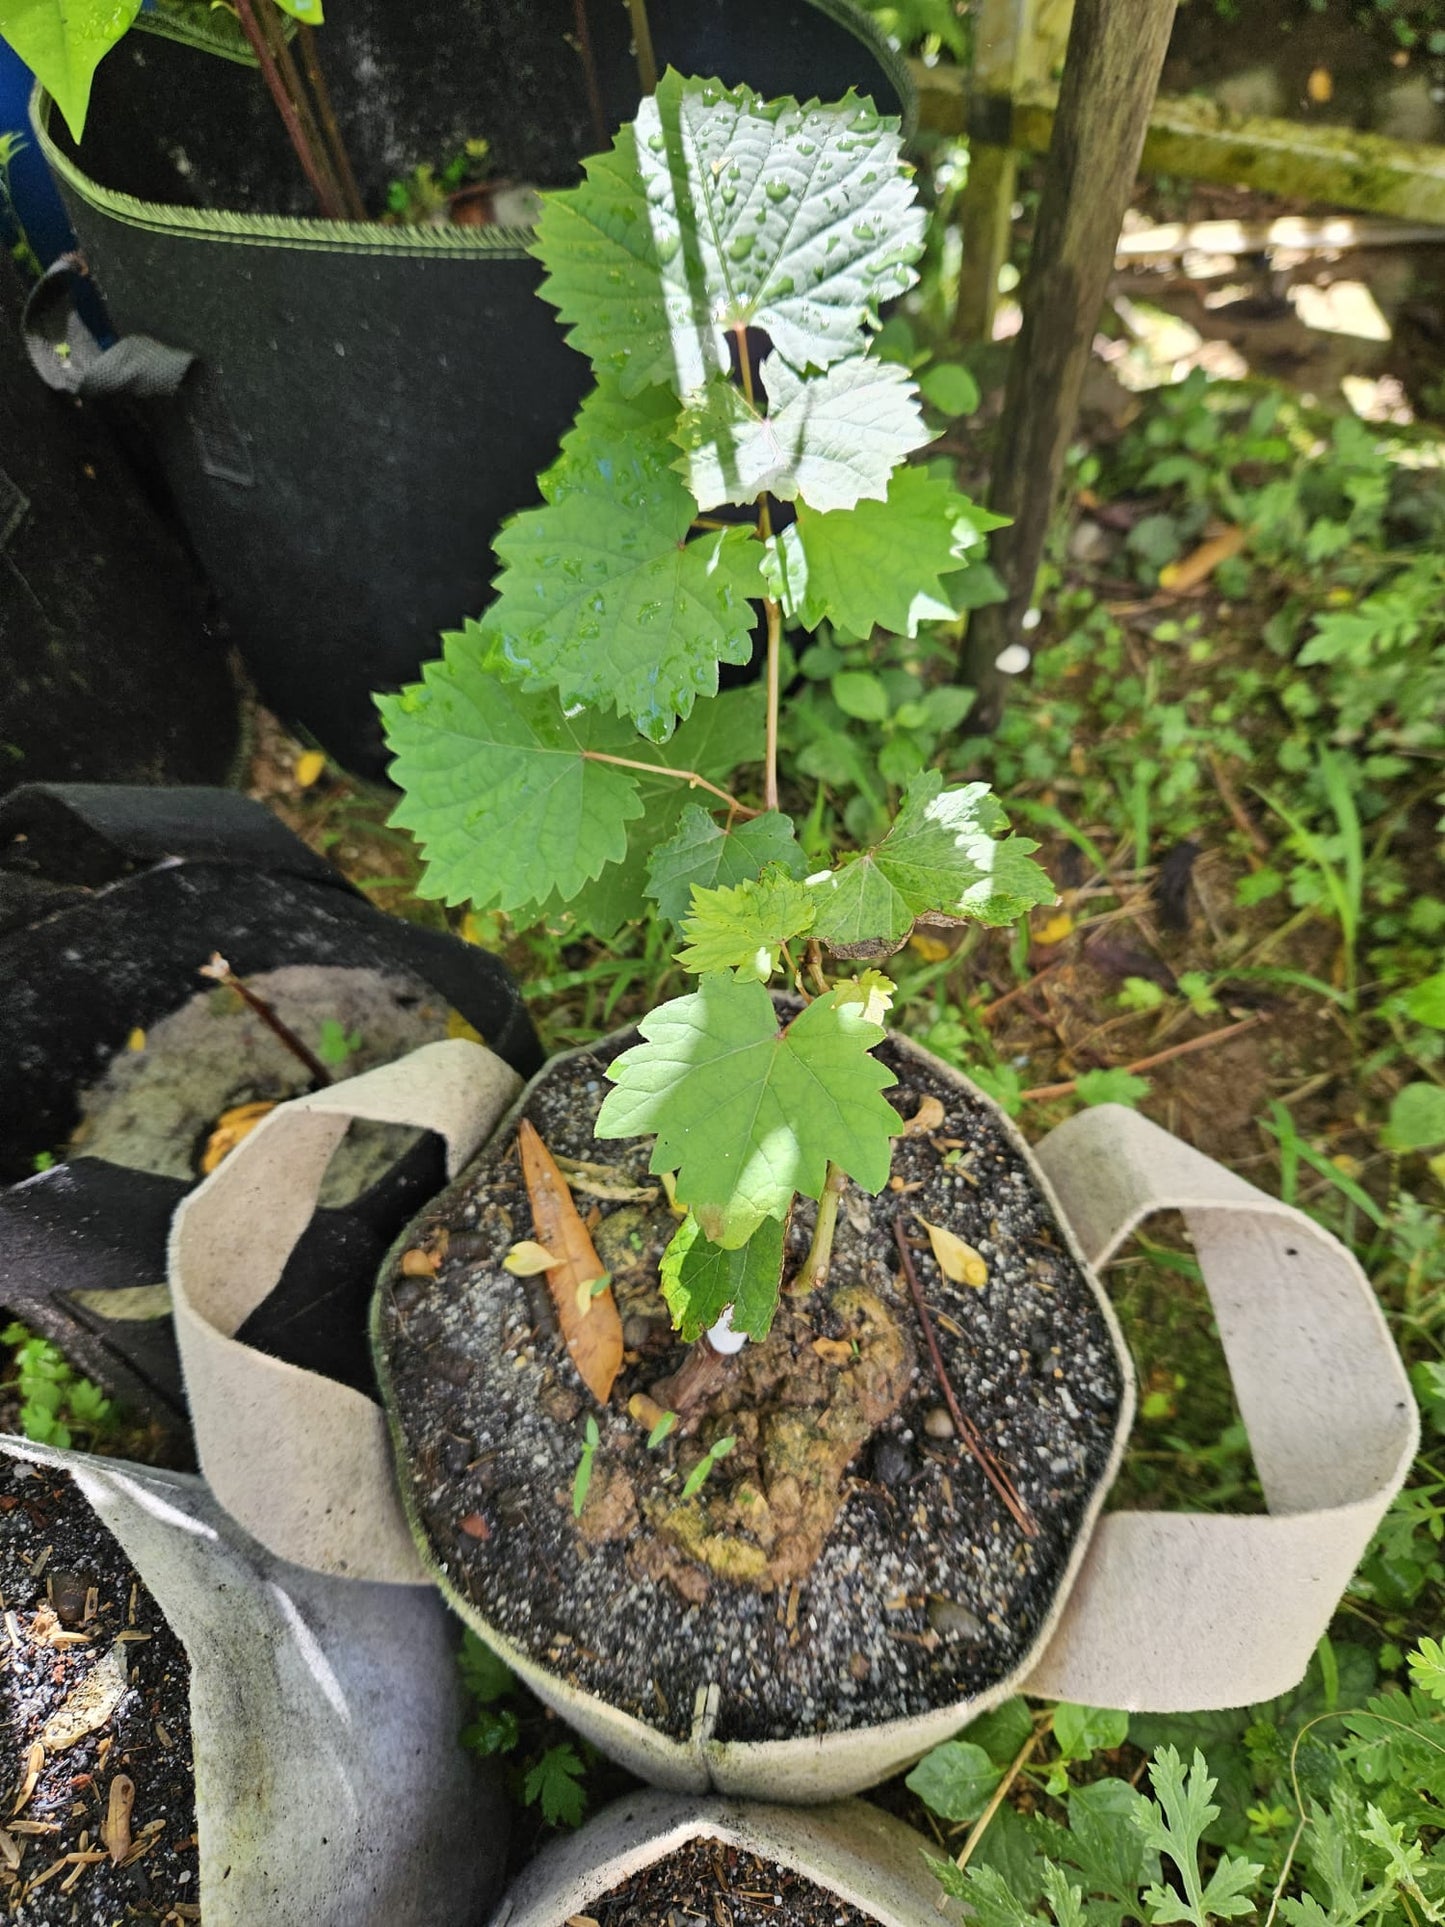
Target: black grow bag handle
(67,356)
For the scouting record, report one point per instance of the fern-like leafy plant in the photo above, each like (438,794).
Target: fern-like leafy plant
(743,453)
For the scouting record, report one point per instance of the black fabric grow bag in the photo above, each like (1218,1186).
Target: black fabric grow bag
(110,899)
(369,402)
(107,673)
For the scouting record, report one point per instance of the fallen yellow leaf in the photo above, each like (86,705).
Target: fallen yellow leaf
(526,1258)
(457,1026)
(1179,577)
(1056,929)
(231,1127)
(309,765)
(136,1040)
(592,1332)
(957,1259)
(930,949)
(1320,86)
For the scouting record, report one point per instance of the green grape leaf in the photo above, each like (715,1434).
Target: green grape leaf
(832,439)
(719,735)
(1082,1730)
(602,594)
(497,786)
(718,210)
(747,1111)
(941,859)
(1417,1119)
(702,855)
(700,1280)
(1426,1002)
(62,42)
(744,926)
(308,12)
(955,1780)
(880,563)
(552,1784)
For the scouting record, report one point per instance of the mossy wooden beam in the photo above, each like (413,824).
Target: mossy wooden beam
(1197,139)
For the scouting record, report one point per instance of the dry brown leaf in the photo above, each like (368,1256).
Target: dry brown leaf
(956,1258)
(231,1127)
(926,1119)
(11,1849)
(115,1828)
(90,1704)
(591,1333)
(1179,577)
(526,1258)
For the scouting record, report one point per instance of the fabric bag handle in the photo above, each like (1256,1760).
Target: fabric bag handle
(1178,1611)
(302,1462)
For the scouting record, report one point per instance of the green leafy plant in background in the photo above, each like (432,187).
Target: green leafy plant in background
(744,451)
(56,1405)
(1325,1808)
(509,1725)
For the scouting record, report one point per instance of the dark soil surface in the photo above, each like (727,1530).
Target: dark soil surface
(87,1643)
(847,1563)
(706,1881)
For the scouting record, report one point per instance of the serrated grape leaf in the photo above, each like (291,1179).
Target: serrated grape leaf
(744,926)
(955,1780)
(942,859)
(496,786)
(885,563)
(700,1280)
(601,592)
(62,42)
(701,854)
(717,210)
(831,440)
(747,1111)
(719,735)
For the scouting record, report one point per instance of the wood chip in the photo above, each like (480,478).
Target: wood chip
(928,1117)
(115,1828)
(34,1761)
(474,1526)
(611,1181)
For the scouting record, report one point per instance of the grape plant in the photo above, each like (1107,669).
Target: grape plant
(740,465)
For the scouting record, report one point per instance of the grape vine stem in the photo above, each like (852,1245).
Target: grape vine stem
(688,776)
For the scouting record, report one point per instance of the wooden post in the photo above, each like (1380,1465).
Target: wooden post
(1017,44)
(1116,52)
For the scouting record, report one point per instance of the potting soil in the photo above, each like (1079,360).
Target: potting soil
(708,1881)
(848,1562)
(96,1693)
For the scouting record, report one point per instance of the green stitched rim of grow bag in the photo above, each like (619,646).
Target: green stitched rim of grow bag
(352,237)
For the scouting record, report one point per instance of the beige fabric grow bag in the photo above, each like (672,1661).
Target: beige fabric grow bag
(853,1850)
(1157,1611)
(330,1788)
